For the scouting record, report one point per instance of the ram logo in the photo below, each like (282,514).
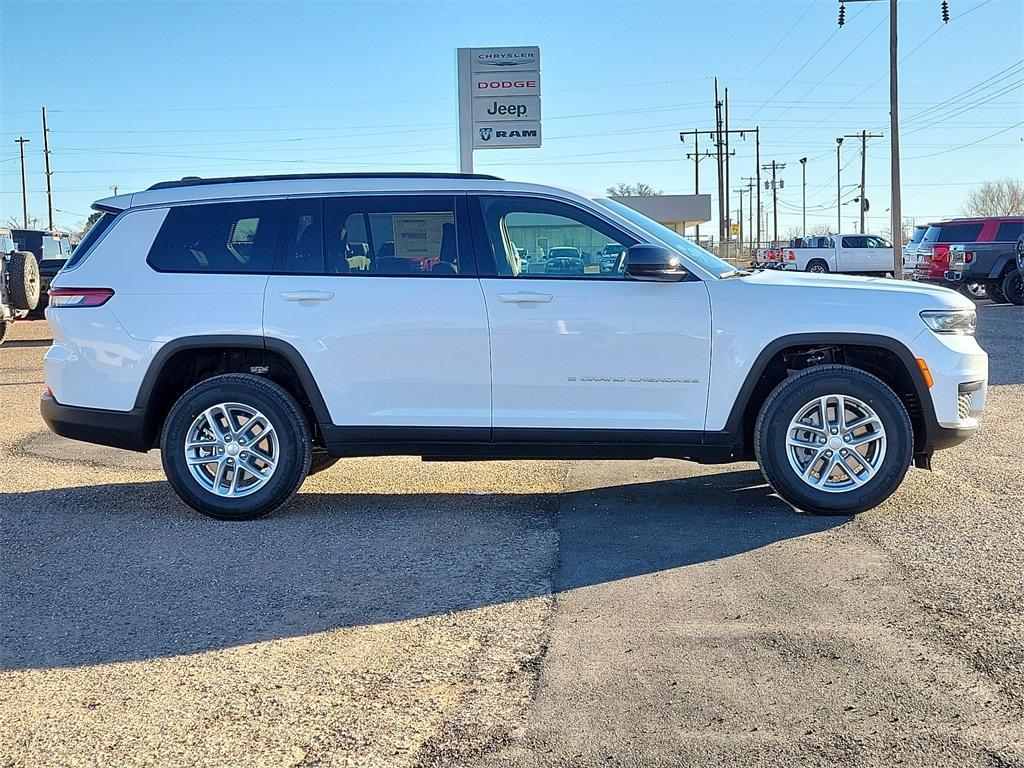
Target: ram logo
(485,134)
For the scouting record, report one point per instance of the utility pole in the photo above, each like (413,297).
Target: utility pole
(696,156)
(894,127)
(741,191)
(728,202)
(757,166)
(775,187)
(863,136)
(752,184)
(722,214)
(21,141)
(719,136)
(803,175)
(839,189)
(49,186)
(894,131)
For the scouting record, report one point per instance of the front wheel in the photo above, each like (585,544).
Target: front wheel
(834,440)
(1013,287)
(236,447)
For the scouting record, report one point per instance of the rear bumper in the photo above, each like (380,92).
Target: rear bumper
(118,429)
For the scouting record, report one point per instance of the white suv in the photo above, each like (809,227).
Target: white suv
(257,329)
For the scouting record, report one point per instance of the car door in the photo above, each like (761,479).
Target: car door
(382,301)
(852,254)
(592,356)
(879,254)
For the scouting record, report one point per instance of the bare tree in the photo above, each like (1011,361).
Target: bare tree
(14,223)
(634,190)
(996,198)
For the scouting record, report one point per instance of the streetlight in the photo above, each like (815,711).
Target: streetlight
(803,173)
(839,189)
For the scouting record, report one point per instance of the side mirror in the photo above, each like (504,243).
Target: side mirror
(654,263)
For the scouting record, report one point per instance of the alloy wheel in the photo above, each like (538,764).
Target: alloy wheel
(835,443)
(231,450)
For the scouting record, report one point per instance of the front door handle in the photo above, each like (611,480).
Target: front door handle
(525,298)
(307,295)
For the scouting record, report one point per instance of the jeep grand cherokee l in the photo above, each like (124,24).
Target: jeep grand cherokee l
(222,321)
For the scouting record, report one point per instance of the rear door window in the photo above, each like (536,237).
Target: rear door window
(393,236)
(219,238)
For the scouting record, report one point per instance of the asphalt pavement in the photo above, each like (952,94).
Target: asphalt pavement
(510,613)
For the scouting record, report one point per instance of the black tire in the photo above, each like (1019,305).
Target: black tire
(1013,287)
(279,407)
(995,292)
(817,266)
(23,280)
(4,327)
(789,397)
(321,460)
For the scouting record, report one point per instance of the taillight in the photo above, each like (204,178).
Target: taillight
(791,256)
(968,257)
(941,254)
(79,297)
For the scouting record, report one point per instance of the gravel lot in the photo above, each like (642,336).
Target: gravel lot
(509,613)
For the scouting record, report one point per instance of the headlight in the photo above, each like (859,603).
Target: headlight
(958,321)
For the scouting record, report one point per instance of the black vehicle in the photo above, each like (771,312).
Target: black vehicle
(564,261)
(51,249)
(19,282)
(994,263)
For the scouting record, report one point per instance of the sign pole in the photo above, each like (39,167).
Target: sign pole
(465,111)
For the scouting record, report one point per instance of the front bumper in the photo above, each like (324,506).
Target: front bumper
(118,429)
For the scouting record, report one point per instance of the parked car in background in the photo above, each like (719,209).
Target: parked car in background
(611,255)
(564,261)
(991,265)
(51,249)
(990,240)
(19,282)
(849,254)
(910,256)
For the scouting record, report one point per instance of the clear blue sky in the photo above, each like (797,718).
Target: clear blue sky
(138,92)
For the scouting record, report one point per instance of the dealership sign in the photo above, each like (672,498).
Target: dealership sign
(499,99)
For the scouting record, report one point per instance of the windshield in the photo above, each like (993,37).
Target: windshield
(708,260)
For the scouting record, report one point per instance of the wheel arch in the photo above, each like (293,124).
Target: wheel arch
(185,361)
(886,358)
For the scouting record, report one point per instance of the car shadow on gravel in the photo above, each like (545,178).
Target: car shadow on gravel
(125,572)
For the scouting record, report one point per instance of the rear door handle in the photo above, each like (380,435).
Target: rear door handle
(525,298)
(307,295)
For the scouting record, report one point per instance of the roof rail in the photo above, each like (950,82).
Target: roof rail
(195,181)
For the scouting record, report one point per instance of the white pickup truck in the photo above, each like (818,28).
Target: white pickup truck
(852,254)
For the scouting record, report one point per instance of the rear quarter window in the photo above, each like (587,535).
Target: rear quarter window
(101,225)
(1009,231)
(953,233)
(219,238)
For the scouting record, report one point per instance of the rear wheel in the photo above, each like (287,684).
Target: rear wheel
(236,447)
(23,280)
(817,266)
(995,292)
(4,327)
(833,440)
(1013,287)
(973,290)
